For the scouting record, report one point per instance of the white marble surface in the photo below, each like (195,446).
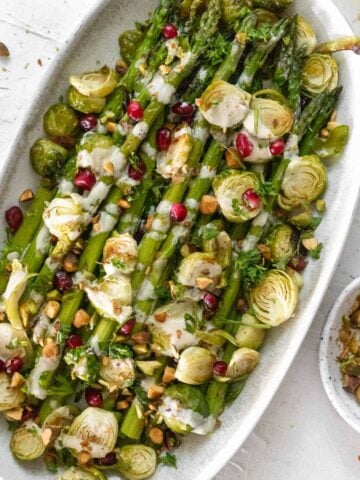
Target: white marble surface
(300,436)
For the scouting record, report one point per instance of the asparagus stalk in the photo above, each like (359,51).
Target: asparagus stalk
(285,57)
(158,22)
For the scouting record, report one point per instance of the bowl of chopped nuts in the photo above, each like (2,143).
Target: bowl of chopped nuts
(340,355)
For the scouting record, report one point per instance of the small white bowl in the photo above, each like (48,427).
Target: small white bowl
(344,402)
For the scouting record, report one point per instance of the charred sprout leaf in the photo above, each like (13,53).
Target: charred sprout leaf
(47,157)
(168,459)
(193,323)
(62,387)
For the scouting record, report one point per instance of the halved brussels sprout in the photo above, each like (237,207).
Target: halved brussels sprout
(185,409)
(136,462)
(320,73)
(14,343)
(224,105)
(61,417)
(117,373)
(64,217)
(47,157)
(95,84)
(334,144)
(268,119)
(26,443)
(10,397)
(301,216)
(231,187)
(60,120)
(282,242)
(111,296)
(199,270)
(165,323)
(231,10)
(249,336)
(195,366)
(120,254)
(265,16)
(219,245)
(84,104)
(173,163)
(305,35)
(243,361)
(305,180)
(275,298)
(128,43)
(96,140)
(77,473)
(94,431)
(14,290)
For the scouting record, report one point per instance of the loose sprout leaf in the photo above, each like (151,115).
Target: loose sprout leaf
(168,459)
(62,387)
(192,323)
(315,222)
(141,394)
(52,467)
(315,254)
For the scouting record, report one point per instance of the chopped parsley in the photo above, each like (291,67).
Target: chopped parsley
(251,266)
(315,254)
(168,459)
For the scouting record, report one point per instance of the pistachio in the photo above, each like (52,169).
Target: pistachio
(169,374)
(124,204)
(155,391)
(156,435)
(26,195)
(50,349)
(4,51)
(70,263)
(310,243)
(160,316)
(52,309)
(81,318)
(208,205)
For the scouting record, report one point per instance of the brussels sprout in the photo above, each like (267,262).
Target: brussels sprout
(305,180)
(232,9)
(60,120)
(199,270)
(84,104)
(230,187)
(268,119)
(26,443)
(111,296)
(282,242)
(300,217)
(167,320)
(61,417)
(320,73)
(224,105)
(129,42)
(120,254)
(136,462)
(275,298)
(47,157)
(64,217)
(94,431)
(334,144)
(11,297)
(96,140)
(117,373)
(195,366)
(248,336)
(243,362)
(10,397)
(264,16)
(305,36)
(77,473)
(14,343)
(95,84)
(185,410)
(276,5)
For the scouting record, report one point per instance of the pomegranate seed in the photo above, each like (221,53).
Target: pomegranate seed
(136,173)
(135,111)
(252,199)
(13,365)
(14,218)
(2,366)
(88,122)
(84,180)
(170,441)
(62,281)
(189,120)
(298,263)
(184,109)
(169,31)
(242,306)
(244,145)
(74,341)
(163,139)
(220,368)
(127,328)
(108,460)
(210,301)
(178,212)
(29,413)
(277,147)
(93,397)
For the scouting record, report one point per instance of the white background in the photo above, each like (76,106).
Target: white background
(300,436)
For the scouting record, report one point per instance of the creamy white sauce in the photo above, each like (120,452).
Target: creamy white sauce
(192,203)
(229,112)
(41,327)
(98,158)
(140,130)
(161,90)
(43,240)
(42,365)
(65,186)
(257,128)
(148,150)
(207,172)
(146,291)
(261,149)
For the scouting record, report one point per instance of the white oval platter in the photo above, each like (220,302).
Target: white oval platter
(200,458)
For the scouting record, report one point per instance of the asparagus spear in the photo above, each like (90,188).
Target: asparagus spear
(158,22)
(286,56)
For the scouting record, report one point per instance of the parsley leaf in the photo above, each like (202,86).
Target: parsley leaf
(61,388)
(315,222)
(162,293)
(315,254)
(251,266)
(62,333)
(209,233)
(168,459)
(261,33)
(219,49)
(120,351)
